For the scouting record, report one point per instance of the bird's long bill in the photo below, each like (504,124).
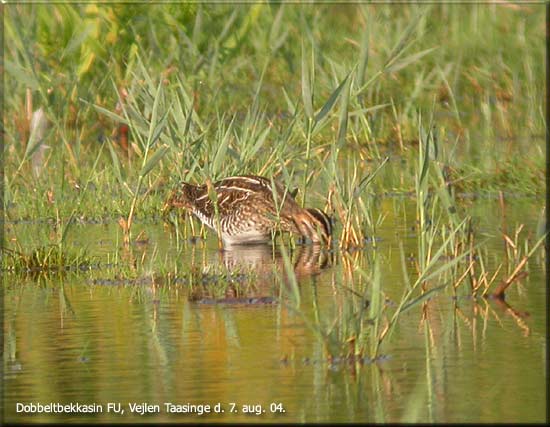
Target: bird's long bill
(170,203)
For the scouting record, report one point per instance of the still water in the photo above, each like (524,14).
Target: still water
(137,347)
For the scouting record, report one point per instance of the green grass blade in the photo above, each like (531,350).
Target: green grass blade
(290,105)
(306,86)
(158,129)
(398,65)
(104,111)
(343,119)
(21,74)
(276,39)
(153,124)
(426,161)
(117,167)
(222,150)
(154,159)
(363,54)
(423,297)
(367,179)
(331,101)
(260,141)
(405,37)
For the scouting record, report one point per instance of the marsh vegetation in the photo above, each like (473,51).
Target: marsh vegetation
(419,129)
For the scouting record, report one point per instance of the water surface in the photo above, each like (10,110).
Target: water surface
(199,327)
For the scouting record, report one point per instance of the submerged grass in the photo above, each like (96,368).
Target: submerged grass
(45,260)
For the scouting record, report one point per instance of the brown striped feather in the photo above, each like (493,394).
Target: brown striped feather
(248,212)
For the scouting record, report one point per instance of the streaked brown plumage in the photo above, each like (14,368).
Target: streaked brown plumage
(247,211)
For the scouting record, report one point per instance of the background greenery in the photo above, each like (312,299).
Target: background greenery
(229,83)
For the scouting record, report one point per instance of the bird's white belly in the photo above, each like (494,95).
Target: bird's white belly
(235,233)
(244,237)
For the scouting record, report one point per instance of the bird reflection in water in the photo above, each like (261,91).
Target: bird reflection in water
(254,272)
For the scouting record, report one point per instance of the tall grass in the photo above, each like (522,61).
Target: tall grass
(289,82)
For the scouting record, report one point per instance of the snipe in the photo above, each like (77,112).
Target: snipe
(247,211)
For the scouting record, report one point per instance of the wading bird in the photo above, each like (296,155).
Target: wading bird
(248,209)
